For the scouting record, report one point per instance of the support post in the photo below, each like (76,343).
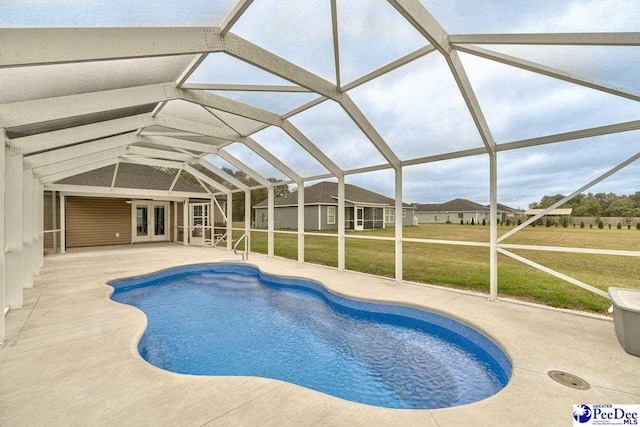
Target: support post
(54,218)
(270,221)
(63,223)
(493,229)
(13,229)
(185,222)
(27,228)
(40,228)
(300,221)
(35,228)
(399,224)
(3,303)
(175,221)
(229,220)
(341,225)
(247,218)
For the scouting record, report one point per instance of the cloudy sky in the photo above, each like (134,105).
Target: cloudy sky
(417,108)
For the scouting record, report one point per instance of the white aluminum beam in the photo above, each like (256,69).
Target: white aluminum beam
(493,227)
(370,132)
(336,41)
(27,228)
(161,154)
(129,193)
(13,226)
(47,109)
(194,127)
(301,213)
(238,10)
(80,150)
(178,143)
(580,39)
(222,174)
(60,138)
(180,81)
(547,71)
(244,168)
(270,222)
(270,158)
(3,240)
(341,224)
(87,159)
(63,222)
(311,148)
(243,87)
(78,170)
(571,196)
(554,273)
(414,12)
(230,106)
(199,175)
(389,67)
(398,225)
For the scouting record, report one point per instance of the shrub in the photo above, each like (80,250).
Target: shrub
(628,226)
(619,226)
(590,225)
(609,226)
(581,224)
(508,222)
(565,222)
(461,222)
(520,223)
(473,221)
(600,224)
(548,223)
(447,222)
(484,222)
(638,226)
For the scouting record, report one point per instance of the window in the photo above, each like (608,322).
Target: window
(404,213)
(389,215)
(460,215)
(331,214)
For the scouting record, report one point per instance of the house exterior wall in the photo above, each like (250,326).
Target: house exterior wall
(433,217)
(287,218)
(95,221)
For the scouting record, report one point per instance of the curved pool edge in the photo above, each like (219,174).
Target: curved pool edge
(335,297)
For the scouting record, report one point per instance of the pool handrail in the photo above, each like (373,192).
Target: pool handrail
(245,253)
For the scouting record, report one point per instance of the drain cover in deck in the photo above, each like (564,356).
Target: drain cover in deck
(569,380)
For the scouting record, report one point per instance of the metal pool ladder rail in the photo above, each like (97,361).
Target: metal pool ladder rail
(245,254)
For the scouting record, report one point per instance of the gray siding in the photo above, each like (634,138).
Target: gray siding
(287,217)
(453,217)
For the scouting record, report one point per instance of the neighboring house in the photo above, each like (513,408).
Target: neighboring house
(509,212)
(130,204)
(554,215)
(364,209)
(454,211)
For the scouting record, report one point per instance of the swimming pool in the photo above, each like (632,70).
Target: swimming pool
(231,319)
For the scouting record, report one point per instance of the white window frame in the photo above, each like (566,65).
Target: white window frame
(389,215)
(331,215)
(404,213)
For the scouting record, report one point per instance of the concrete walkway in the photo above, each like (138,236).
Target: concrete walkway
(70,357)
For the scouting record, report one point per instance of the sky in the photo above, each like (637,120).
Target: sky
(417,108)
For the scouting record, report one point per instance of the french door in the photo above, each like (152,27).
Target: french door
(150,221)
(359,219)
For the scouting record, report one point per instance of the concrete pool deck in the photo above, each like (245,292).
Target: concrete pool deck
(70,355)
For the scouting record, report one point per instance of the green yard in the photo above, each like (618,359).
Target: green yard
(468,267)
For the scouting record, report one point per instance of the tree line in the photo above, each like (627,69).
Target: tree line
(598,204)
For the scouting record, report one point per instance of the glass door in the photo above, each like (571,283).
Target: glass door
(141,222)
(359,218)
(149,221)
(160,221)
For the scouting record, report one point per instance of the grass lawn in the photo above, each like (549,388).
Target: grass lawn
(468,267)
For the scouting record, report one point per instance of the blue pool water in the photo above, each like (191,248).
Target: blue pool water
(230,319)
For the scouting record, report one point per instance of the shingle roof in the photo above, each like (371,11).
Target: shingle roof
(505,208)
(132,176)
(327,193)
(455,205)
